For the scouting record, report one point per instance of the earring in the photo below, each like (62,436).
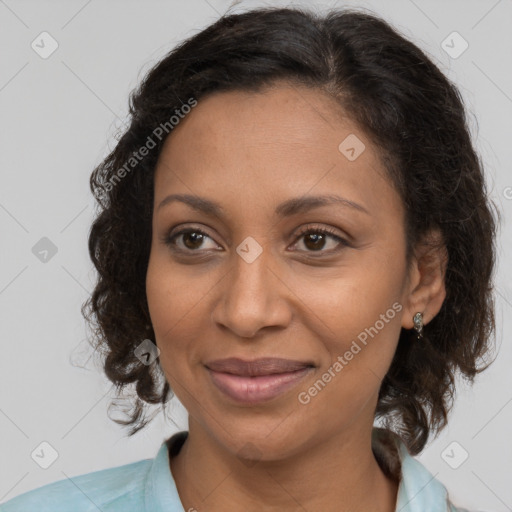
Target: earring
(418,324)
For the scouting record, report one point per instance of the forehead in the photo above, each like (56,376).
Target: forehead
(279,117)
(284,141)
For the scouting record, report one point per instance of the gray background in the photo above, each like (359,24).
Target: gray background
(58,119)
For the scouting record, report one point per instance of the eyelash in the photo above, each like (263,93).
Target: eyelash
(170,239)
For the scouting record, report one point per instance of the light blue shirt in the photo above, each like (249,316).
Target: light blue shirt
(148,486)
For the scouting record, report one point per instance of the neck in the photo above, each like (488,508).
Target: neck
(341,474)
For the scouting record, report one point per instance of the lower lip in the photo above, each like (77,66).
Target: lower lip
(253,390)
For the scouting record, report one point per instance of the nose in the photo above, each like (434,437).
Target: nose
(252,296)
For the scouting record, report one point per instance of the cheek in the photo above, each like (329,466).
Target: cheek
(168,309)
(357,315)
(345,303)
(356,362)
(171,336)
(177,300)
(172,292)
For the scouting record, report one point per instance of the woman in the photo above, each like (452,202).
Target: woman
(295,239)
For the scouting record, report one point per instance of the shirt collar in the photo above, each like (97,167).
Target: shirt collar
(161,492)
(418,490)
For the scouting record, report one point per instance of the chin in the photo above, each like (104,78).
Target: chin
(260,441)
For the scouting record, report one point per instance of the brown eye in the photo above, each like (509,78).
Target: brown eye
(191,240)
(316,239)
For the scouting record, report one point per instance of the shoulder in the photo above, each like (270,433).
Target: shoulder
(114,489)
(418,489)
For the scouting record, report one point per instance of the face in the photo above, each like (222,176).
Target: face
(259,276)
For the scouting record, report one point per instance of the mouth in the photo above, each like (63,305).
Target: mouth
(257,381)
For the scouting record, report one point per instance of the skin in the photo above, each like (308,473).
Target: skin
(298,300)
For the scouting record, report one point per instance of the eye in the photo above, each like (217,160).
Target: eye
(191,240)
(314,239)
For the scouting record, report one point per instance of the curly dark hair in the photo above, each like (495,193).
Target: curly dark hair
(417,121)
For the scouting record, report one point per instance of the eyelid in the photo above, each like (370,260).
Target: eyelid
(342,240)
(311,227)
(172,234)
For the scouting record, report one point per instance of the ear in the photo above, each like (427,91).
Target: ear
(425,290)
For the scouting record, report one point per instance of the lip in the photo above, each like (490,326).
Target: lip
(256,381)
(256,367)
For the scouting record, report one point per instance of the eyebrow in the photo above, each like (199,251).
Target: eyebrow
(286,209)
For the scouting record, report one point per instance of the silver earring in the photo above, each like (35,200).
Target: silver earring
(418,324)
